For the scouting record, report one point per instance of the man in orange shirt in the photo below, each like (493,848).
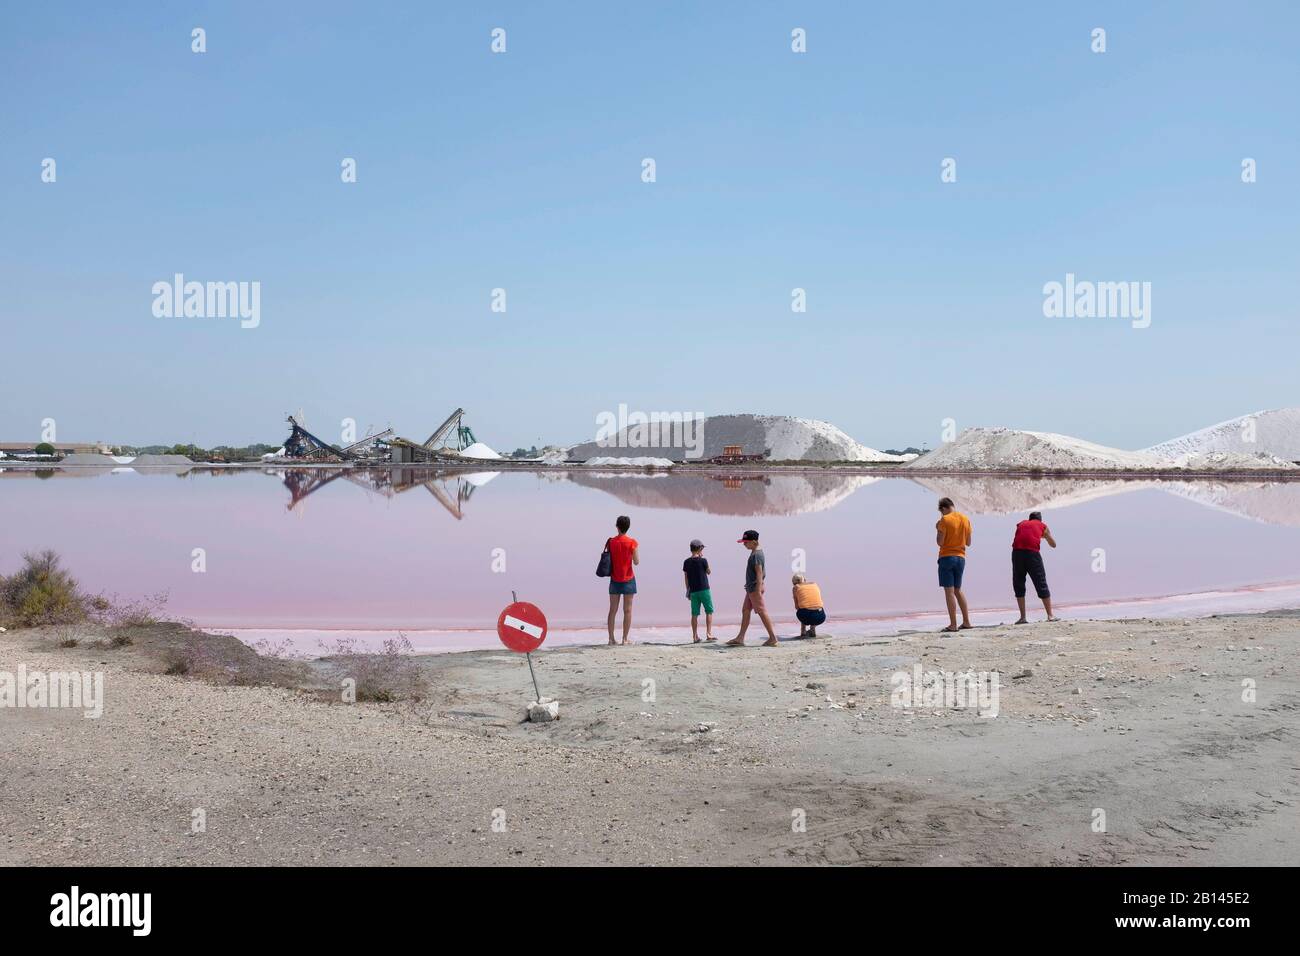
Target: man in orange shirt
(952,535)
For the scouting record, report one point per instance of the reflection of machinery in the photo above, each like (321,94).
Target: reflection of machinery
(737,481)
(452,491)
(302,482)
(735,455)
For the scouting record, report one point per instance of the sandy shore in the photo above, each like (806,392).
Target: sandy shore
(1141,719)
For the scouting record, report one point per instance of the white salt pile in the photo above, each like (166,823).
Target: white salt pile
(805,439)
(147,460)
(80,459)
(640,461)
(780,437)
(478,450)
(1273,432)
(984,448)
(1228,460)
(979,449)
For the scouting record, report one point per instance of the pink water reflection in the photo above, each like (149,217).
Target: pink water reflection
(349,558)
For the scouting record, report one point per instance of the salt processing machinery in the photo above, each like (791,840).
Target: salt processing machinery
(303,444)
(445,444)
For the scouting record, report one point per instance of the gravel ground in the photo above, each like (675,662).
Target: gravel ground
(749,756)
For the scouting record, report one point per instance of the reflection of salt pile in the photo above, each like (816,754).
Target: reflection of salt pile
(641,461)
(1267,502)
(478,450)
(978,449)
(1273,432)
(781,437)
(766,495)
(1272,502)
(479,478)
(1000,496)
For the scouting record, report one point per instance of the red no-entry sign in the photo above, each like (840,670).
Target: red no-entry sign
(522,627)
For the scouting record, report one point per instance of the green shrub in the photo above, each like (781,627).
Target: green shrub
(41,592)
(44,448)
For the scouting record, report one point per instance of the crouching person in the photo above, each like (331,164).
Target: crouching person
(808,607)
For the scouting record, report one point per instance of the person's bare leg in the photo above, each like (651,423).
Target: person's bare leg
(767,623)
(803,629)
(708,626)
(613,611)
(1020,602)
(739,639)
(949,599)
(965,611)
(695,629)
(1047,606)
(627,617)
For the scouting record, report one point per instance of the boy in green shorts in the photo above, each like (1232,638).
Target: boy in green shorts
(696,570)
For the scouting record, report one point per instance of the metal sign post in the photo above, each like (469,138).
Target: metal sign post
(522,628)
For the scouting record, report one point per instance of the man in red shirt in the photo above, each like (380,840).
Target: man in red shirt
(622,579)
(1027,559)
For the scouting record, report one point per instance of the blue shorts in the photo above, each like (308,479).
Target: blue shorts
(622,587)
(811,616)
(951,569)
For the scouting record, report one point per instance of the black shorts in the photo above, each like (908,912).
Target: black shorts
(1030,563)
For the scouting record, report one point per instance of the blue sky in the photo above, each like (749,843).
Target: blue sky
(775,170)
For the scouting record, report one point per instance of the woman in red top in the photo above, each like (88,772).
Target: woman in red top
(622,579)
(1026,559)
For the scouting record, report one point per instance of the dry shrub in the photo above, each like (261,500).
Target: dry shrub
(195,658)
(281,649)
(116,614)
(383,677)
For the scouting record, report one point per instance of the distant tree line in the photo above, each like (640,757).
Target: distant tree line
(252,452)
